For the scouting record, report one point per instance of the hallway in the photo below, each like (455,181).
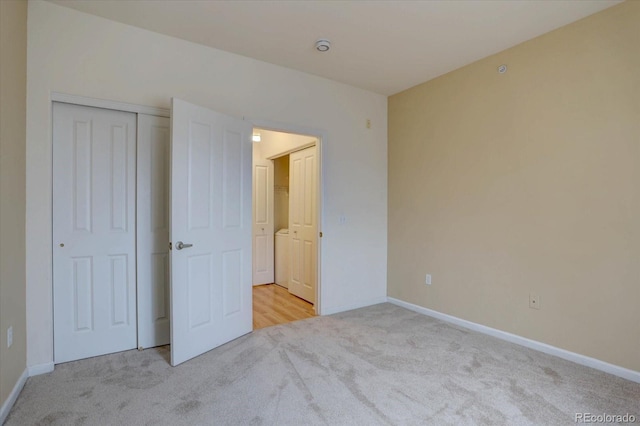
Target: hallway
(272,305)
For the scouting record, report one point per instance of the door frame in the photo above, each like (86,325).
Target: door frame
(321,137)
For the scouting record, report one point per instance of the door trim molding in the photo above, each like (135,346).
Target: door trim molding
(36,370)
(106,104)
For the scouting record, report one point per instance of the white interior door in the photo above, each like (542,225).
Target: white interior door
(263,221)
(153,230)
(211,296)
(303,223)
(94,201)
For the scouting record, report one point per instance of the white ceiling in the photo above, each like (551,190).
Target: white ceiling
(382,46)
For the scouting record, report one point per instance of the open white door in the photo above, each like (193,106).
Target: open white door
(211,296)
(263,222)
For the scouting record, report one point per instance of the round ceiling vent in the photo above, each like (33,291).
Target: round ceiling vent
(323,45)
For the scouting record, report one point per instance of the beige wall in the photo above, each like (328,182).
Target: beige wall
(281,171)
(501,185)
(13,74)
(281,192)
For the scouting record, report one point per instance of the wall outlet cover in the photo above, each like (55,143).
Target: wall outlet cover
(534,301)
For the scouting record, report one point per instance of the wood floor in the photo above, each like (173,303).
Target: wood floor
(274,305)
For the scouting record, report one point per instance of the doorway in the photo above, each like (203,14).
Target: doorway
(286,206)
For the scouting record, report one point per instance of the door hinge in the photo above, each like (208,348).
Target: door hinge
(320,234)
(170,245)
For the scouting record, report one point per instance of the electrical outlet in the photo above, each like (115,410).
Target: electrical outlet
(534,301)
(368,123)
(427,279)
(9,336)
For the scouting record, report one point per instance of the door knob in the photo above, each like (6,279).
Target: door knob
(180,245)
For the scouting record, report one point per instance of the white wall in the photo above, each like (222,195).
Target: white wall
(75,53)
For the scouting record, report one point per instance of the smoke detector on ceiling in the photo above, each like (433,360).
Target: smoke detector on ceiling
(323,45)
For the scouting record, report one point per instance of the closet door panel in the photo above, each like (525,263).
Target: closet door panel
(94,198)
(153,231)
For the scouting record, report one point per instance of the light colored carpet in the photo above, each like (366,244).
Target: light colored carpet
(377,365)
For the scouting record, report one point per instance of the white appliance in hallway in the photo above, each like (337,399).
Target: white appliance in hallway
(282,255)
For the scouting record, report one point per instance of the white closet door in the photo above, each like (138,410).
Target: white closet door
(153,231)
(211,299)
(263,222)
(94,200)
(303,224)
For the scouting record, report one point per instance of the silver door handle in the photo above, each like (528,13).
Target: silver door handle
(180,245)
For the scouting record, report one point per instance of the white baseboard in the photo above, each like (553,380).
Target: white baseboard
(337,309)
(8,404)
(616,370)
(36,370)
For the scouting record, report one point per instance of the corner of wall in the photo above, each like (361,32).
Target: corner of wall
(13,70)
